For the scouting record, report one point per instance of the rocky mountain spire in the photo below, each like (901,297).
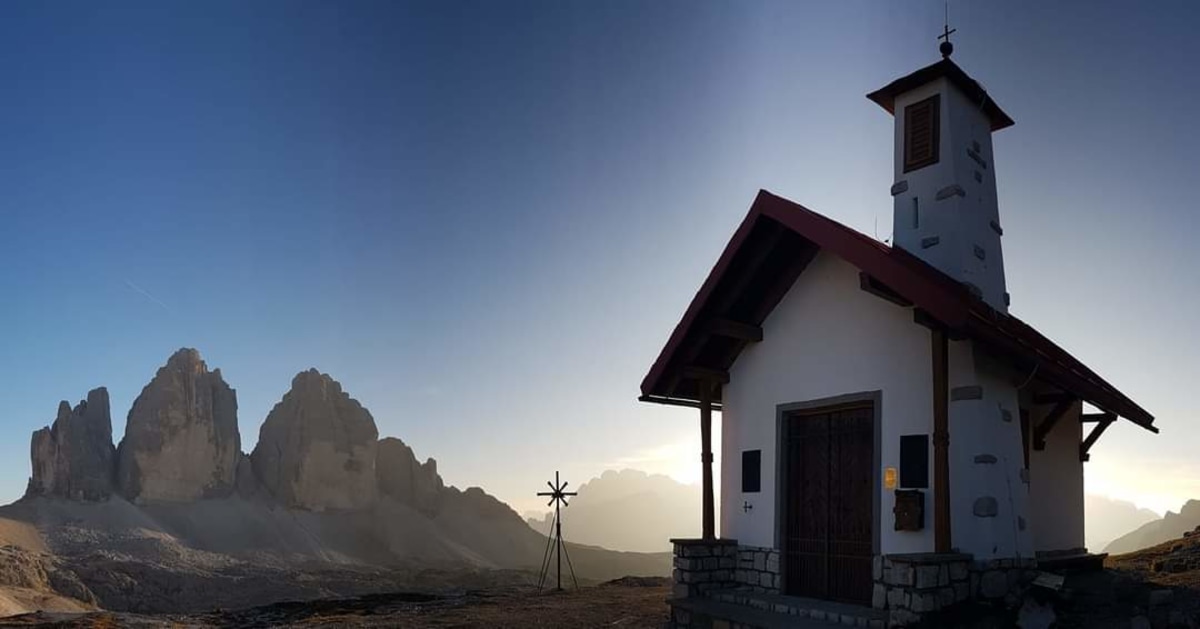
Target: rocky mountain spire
(73,458)
(181,439)
(403,479)
(316,449)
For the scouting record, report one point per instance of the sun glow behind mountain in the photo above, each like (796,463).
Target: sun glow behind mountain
(678,459)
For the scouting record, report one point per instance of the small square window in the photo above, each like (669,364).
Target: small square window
(751,471)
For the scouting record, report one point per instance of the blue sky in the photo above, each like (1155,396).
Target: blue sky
(484,218)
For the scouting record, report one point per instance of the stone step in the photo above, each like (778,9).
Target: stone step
(841,614)
(1079,562)
(702,612)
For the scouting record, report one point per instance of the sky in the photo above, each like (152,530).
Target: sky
(485,218)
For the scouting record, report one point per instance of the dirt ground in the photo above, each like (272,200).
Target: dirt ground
(626,603)
(1158,587)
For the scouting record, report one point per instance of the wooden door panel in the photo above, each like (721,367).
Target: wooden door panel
(809,477)
(828,519)
(852,519)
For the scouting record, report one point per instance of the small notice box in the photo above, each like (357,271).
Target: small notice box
(910,510)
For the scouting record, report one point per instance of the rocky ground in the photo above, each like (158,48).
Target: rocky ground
(1154,588)
(624,603)
(1158,588)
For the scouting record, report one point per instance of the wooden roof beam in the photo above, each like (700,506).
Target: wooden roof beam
(784,282)
(1052,398)
(672,401)
(878,289)
(922,318)
(1047,424)
(724,296)
(706,375)
(729,328)
(1093,436)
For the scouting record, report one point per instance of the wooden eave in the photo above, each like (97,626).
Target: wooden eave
(886,96)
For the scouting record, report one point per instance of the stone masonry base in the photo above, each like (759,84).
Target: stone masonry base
(907,587)
(702,565)
(913,586)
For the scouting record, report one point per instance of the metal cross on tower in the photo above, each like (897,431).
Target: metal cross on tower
(558,498)
(946,47)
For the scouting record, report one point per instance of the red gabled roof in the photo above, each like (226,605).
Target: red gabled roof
(771,248)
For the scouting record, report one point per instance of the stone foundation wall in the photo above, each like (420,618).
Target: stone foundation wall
(703,565)
(758,569)
(1002,579)
(913,586)
(909,586)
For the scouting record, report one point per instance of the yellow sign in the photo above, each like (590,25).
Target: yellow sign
(889,477)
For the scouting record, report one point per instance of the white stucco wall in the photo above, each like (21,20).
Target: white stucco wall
(1056,484)
(959,222)
(826,338)
(986,459)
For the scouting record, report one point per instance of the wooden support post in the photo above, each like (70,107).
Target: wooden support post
(706,458)
(941,441)
(1094,435)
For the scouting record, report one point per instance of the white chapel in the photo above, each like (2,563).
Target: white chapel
(893,440)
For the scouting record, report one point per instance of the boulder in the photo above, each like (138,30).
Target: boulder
(181,439)
(405,480)
(316,450)
(73,458)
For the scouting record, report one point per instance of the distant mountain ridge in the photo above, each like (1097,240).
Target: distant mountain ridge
(1170,526)
(629,510)
(1106,519)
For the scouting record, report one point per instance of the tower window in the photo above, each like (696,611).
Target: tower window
(916,217)
(921,133)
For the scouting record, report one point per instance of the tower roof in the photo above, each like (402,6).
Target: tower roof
(886,96)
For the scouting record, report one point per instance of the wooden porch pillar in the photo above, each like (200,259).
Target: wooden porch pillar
(941,442)
(706,457)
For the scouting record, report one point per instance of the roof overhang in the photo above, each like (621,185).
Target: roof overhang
(770,250)
(886,96)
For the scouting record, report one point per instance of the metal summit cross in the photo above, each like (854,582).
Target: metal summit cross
(946,47)
(558,497)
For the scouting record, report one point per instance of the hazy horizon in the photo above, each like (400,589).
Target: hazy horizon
(484,220)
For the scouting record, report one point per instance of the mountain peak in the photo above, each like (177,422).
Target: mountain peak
(316,449)
(73,457)
(181,437)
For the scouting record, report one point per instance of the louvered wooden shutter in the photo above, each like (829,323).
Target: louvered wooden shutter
(921,133)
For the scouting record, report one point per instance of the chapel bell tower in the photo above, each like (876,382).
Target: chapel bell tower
(944,190)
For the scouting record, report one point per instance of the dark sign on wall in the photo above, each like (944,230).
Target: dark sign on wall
(914,461)
(751,471)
